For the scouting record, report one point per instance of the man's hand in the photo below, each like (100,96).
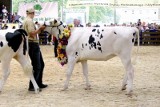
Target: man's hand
(42,27)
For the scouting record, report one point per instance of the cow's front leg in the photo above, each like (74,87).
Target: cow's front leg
(6,72)
(85,73)
(71,63)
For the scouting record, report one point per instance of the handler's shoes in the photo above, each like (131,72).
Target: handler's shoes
(43,86)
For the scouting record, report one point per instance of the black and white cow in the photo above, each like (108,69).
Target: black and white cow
(14,44)
(100,44)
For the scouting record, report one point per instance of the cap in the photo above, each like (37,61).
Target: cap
(31,10)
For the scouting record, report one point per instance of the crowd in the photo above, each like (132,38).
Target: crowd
(7,17)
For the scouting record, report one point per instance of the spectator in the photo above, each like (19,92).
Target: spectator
(88,24)
(16,18)
(12,18)
(79,23)
(139,22)
(5,20)
(5,12)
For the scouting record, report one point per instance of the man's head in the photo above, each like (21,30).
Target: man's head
(30,12)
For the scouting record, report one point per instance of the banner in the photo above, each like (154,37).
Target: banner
(43,11)
(78,3)
(114,3)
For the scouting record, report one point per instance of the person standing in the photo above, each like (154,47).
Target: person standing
(34,49)
(16,18)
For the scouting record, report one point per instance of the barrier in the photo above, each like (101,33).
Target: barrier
(11,25)
(150,38)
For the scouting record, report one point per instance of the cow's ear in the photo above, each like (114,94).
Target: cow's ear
(55,21)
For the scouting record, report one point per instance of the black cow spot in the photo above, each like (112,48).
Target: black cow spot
(134,33)
(92,42)
(15,39)
(97,35)
(90,48)
(82,45)
(98,31)
(100,49)
(76,53)
(93,45)
(93,30)
(86,44)
(91,39)
(133,40)
(98,43)
(101,36)
(1,44)
(102,30)
(115,33)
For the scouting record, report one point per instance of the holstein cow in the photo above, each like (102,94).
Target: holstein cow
(14,44)
(100,44)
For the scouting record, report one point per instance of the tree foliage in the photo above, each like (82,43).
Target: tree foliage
(100,14)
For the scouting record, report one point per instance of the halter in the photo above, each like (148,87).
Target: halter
(57,28)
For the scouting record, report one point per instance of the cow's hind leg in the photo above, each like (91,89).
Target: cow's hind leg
(27,67)
(85,73)
(128,78)
(124,83)
(71,63)
(5,72)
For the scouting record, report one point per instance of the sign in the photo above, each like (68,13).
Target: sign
(114,3)
(78,3)
(43,11)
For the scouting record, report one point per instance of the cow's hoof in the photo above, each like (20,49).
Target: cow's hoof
(64,89)
(129,93)
(88,87)
(38,90)
(124,87)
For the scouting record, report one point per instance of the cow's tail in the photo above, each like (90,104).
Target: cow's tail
(25,39)
(138,44)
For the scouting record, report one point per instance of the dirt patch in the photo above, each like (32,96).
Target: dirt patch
(106,78)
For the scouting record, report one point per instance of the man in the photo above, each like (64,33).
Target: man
(16,17)
(34,49)
(77,23)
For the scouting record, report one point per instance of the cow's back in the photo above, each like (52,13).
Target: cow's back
(8,43)
(97,43)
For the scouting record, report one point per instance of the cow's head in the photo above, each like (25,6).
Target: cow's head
(55,28)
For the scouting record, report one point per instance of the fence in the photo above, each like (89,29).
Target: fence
(150,38)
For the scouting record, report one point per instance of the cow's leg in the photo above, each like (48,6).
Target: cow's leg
(124,83)
(128,78)
(85,73)
(27,67)
(5,71)
(71,63)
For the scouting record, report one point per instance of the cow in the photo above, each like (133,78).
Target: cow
(14,44)
(99,44)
